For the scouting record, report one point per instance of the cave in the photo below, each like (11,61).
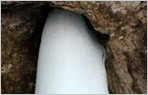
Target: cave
(122,34)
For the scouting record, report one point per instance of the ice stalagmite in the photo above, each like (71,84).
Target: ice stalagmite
(70,60)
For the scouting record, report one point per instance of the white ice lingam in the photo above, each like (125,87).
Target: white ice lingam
(70,60)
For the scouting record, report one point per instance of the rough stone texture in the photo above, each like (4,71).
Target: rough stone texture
(124,22)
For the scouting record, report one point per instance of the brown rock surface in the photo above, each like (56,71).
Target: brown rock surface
(124,22)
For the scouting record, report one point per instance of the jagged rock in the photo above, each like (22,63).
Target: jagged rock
(125,22)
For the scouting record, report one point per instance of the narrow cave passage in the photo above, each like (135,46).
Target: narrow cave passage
(71,60)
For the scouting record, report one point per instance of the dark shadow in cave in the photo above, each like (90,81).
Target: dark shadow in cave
(35,38)
(102,38)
